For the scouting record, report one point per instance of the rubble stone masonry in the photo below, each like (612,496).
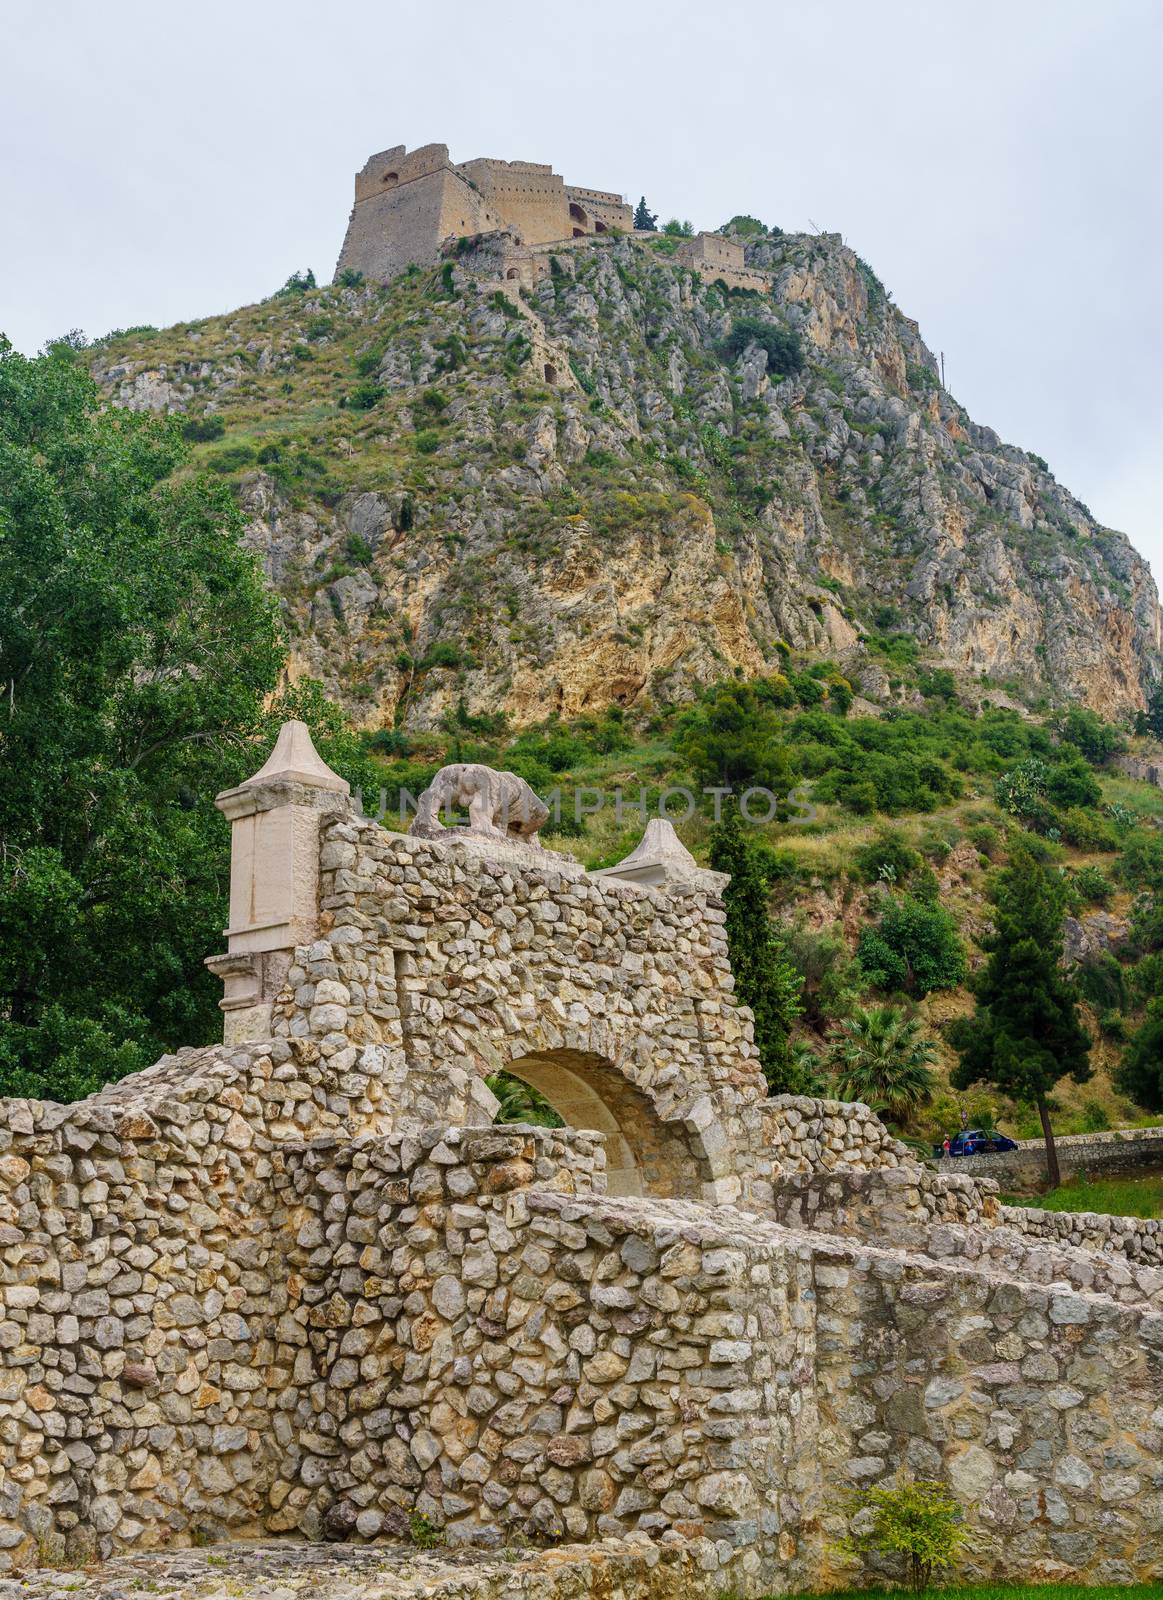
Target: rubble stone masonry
(301,1286)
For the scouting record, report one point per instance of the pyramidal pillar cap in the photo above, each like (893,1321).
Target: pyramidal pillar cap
(662,859)
(292,766)
(295,759)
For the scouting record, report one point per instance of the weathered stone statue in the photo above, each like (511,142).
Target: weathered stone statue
(500,805)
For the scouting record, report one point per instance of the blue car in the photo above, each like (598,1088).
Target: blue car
(976,1142)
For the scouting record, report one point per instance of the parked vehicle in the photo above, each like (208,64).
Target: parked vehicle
(975,1142)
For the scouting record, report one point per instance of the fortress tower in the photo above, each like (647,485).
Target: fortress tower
(408,204)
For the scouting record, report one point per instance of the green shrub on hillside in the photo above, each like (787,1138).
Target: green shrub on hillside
(886,859)
(785,354)
(915,948)
(734,739)
(1087,732)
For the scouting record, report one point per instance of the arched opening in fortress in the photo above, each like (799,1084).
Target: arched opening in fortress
(644,1155)
(513,272)
(550,372)
(390,180)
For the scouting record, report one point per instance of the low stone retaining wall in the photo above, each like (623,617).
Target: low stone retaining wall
(1122,1151)
(1138,1239)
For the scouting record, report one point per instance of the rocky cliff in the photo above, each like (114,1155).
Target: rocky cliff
(615,486)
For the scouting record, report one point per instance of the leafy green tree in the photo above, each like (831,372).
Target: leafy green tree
(1151,720)
(1071,782)
(920,1521)
(679,230)
(1140,1072)
(645,220)
(881,1056)
(744,226)
(915,947)
(785,353)
(765,978)
(521,1102)
(832,980)
(1087,732)
(137,645)
(297,283)
(735,738)
(1026,1033)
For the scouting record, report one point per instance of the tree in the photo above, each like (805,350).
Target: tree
(920,1521)
(765,978)
(881,1056)
(1140,1072)
(521,1102)
(1087,731)
(137,645)
(785,353)
(915,947)
(1151,720)
(1026,1033)
(735,737)
(644,221)
(679,230)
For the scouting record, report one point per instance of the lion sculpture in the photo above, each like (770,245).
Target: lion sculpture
(500,805)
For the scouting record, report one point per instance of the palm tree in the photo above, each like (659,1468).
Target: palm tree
(880,1056)
(520,1102)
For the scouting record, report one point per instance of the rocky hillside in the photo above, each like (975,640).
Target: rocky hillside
(629,482)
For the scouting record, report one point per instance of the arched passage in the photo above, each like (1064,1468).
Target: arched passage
(644,1155)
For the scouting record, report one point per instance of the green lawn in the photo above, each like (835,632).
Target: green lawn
(1015,1591)
(1120,1197)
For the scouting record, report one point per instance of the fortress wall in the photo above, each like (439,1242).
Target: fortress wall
(141,1282)
(528,195)
(395,228)
(602,206)
(396,166)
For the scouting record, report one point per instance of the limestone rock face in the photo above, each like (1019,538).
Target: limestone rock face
(574,495)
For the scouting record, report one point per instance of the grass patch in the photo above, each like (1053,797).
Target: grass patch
(1114,1197)
(1014,1591)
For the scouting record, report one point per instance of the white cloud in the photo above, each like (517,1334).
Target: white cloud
(996,164)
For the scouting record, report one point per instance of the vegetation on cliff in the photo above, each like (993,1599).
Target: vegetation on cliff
(629,482)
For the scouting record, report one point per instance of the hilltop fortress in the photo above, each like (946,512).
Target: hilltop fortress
(412,207)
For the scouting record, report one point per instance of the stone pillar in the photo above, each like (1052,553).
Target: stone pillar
(274,876)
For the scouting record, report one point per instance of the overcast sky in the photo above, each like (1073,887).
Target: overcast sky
(998,164)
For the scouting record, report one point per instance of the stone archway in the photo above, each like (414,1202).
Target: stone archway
(567,1080)
(646,1154)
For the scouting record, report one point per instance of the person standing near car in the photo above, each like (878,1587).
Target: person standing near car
(947,1147)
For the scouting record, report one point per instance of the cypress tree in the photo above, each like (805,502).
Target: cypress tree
(644,221)
(1026,1033)
(765,978)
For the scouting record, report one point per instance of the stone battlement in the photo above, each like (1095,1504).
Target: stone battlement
(410,204)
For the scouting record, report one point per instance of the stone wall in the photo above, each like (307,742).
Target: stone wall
(1138,1239)
(141,1278)
(1118,1152)
(465,957)
(536,1362)
(408,204)
(1042,1410)
(301,1287)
